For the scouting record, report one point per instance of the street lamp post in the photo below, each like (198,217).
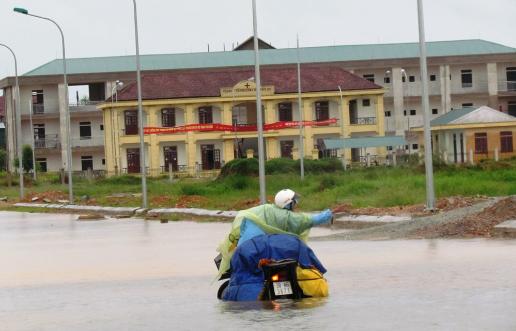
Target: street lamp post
(67,110)
(140,111)
(18,120)
(114,91)
(342,132)
(301,116)
(259,119)
(430,192)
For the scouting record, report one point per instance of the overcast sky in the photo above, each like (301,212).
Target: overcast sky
(105,27)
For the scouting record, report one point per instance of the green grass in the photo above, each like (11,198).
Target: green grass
(375,187)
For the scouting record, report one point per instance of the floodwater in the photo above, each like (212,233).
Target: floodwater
(60,274)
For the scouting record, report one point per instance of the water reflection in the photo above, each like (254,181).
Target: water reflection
(59,274)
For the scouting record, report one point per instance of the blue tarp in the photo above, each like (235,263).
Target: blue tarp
(247,278)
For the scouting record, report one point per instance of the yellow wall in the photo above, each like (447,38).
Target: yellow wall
(116,141)
(493,142)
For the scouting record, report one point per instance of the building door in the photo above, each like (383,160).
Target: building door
(133,160)
(39,135)
(42,164)
(170,155)
(131,122)
(210,157)
(511,78)
(512,108)
(86,163)
(286,147)
(355,155)
(353,112)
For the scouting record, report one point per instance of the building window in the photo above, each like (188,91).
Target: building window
(412,112)
(506,142)
(210,157)
(86,163)
(168,117)
(511,108)
(366,102)
(412,79)
(131,122)
(41,164)
(433,78)
(369,77)
(389,148)
(133,160)
(285,111)
(467,78)
(322,111)
(407,147)
(405,112)
(510,73)
(103,161)
(85,130)
(286,147)
(435,111)
(205,115)
(387,80)
(403,79)
(481,143)
(388,113)
(37,102)
(467,105)
(415,146)
(102,127)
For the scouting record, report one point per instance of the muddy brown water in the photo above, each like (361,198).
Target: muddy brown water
(60,274)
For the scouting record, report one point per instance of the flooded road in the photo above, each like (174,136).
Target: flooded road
(60,274)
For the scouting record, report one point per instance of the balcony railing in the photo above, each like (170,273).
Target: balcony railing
(50,141)
(88,142)
(84,106)
(38,109)
(507,86)
(363,121)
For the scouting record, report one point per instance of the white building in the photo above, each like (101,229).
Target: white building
(461,74)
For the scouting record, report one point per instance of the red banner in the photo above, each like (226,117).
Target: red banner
(212,127)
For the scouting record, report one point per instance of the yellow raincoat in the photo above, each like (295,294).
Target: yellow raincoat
(272,220)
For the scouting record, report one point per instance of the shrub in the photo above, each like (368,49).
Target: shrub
(321,166)
(192,189)
(238,182)
(245,167)
(3,160)
(27,158)
(281,166)
(121,180)
(327,182)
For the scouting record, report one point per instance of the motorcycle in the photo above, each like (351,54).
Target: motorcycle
(271,267)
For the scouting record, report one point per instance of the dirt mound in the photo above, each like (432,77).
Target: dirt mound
(189,201)
(477,225)
(442,204)
(52,196)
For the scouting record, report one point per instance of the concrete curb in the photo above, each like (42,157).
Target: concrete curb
(81,208)
(192,211)
(506,229)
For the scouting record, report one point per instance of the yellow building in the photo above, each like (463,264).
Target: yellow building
(472,134)
(195,121)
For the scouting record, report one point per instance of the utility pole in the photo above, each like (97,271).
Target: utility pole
(430,192)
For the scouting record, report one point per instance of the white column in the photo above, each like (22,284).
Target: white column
(492,84)
(62,125)
(397,94)
(444,75)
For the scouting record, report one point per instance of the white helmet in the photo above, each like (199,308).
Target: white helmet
(285,197)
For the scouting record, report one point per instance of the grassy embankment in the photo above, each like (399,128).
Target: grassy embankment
(375,187)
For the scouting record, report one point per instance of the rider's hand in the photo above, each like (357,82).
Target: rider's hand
(322,218)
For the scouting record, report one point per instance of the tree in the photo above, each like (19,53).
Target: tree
(27,158)
(3,160)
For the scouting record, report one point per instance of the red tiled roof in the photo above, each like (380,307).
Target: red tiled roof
(208,83)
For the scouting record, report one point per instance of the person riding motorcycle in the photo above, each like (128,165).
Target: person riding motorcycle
(277,218)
